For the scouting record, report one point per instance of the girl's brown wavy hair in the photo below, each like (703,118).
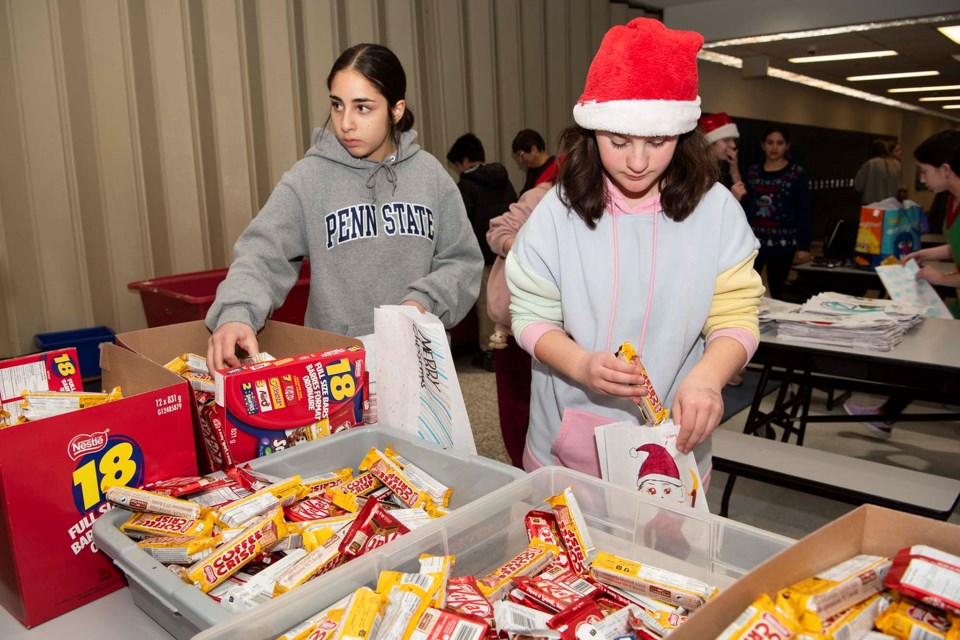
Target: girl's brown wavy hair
(690,174)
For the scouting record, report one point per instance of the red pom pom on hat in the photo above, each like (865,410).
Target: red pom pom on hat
(642,82)
(718,126)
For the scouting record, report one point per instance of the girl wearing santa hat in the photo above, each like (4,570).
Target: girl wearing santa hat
(638,242)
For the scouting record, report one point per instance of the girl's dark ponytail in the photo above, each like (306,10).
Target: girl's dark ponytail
(406,121)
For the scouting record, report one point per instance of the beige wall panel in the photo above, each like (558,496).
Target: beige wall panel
(231,121)
(532,47)
(579,52)
(480,55)
(619,14)
(321,46)
(8,319)
(20,288)
(557,69)
(83,164)
(448,115)
(280,92)
(53,210)
(124,228)
(403,38)
(178,156)
(600,20)
(510,98)
(362,22)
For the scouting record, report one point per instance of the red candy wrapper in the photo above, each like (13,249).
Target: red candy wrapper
(312,509)
(374,527)
(928,575)
(584,610)
(464,596)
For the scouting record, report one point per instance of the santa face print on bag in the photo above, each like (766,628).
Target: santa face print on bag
(659,476)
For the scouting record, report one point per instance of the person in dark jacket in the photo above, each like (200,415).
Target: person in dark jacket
(487,192)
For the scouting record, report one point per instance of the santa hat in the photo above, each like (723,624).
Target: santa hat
(642,82)
(718,126)
(659,465)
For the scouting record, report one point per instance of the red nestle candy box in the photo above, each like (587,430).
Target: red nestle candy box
(263,403)
(54,472)
(221,441)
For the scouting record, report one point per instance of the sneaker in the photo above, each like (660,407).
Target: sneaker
(484,360)
(879,429)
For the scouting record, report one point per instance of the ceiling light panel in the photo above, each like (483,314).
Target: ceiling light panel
(844,56)
(942,87)
(938,98)
(951,32)
(893,76)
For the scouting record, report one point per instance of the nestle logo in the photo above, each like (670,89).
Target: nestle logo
(85,443)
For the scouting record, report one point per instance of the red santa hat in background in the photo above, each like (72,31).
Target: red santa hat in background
(659,465)
(718,126)
(642,82)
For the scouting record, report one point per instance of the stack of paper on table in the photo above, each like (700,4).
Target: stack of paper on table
(848,321)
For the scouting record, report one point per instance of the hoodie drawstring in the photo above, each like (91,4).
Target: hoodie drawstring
(391,174)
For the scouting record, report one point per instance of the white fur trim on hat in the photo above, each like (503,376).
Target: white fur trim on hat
(728,130)
(659,477)
(647,118)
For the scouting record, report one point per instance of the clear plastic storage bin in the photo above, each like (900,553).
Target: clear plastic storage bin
(183,610)
(491,530)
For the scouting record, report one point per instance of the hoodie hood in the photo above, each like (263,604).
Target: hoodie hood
(380,176)
(490,176)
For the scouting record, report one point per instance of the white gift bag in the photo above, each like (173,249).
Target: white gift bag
(417,386)
(646,458)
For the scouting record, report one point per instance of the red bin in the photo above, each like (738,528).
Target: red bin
(188,296)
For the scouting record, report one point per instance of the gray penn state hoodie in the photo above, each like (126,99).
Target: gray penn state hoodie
(376,233)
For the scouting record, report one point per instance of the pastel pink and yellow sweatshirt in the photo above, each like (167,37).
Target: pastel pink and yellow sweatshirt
(668,287)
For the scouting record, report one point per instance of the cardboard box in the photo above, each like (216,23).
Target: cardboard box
(53,473)
(221,441)
(867,529)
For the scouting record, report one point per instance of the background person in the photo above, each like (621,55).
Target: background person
(938,159)
(379,218)
(530,151)
(879,177)
(486,192)
(778,208)
(512,363)
(722,134)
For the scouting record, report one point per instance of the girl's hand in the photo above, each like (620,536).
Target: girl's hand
(801,257)
(603,372)
(931,275)
(738,190)
(920,256)
(697,408)
(412,303)
(222,345)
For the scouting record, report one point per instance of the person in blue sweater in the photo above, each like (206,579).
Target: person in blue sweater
(778,209)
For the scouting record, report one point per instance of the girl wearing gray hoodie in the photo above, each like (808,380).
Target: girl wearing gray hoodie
(380,219)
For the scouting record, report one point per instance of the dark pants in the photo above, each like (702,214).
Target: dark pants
(895,405)
(513,397)
(778,270)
